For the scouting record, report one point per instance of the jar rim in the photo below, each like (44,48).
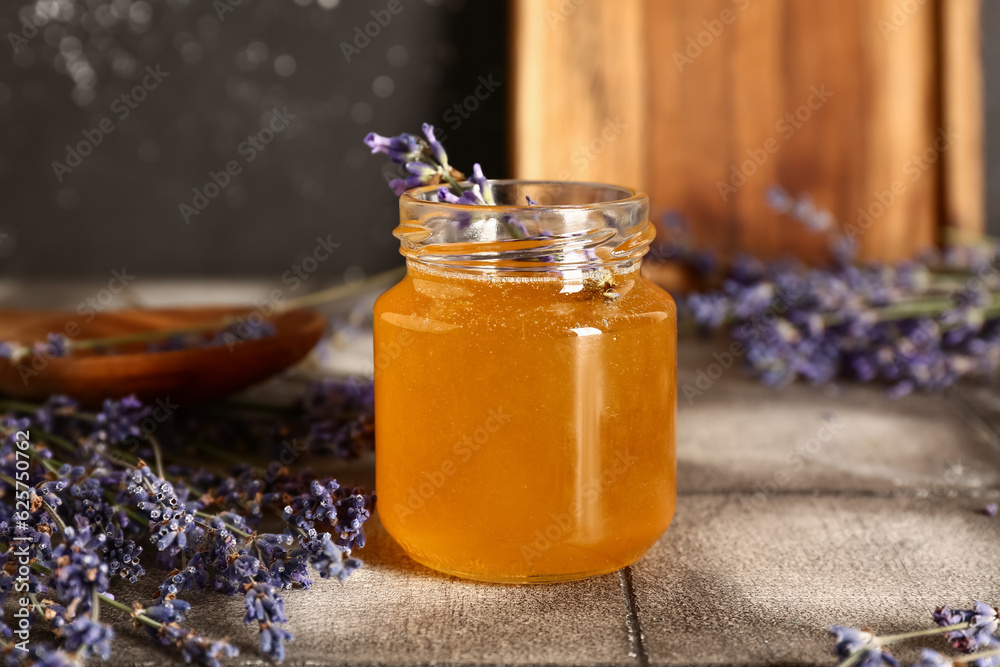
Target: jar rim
(416,196)
(604,226)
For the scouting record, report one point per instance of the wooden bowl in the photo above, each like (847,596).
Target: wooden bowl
(183,376)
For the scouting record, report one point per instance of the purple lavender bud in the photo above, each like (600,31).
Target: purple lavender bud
(377,142)
(421,173)
(169,611)
(709,310)
(6,350)
(990,510)
(422,169)
(447,196)
(400,149)
(806,212)
(983,625)
(401,185)
(56,345)
(485,190)
(470,197)
(515,226)
(779,200)
(88,637)
(992,644)
(531,202)
(931,658)
(852,640)
(436,148)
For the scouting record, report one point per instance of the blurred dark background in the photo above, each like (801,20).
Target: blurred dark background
(228,64)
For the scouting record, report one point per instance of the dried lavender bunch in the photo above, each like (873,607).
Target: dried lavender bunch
(915,325)
(90,522)
(426,163)
(59,345)
(975,632)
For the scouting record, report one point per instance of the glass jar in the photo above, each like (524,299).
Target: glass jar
(525,385)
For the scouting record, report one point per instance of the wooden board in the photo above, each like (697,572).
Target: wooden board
(839,99)
(963,180)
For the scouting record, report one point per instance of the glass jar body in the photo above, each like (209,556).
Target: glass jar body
(525,425)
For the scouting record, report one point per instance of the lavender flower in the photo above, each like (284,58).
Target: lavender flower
(484,185)
(400,149)
(78,572)
(204,523)
(265,606)
(852,640)
(7,350)
(169,611)
(55,345)
(120,420)
(992,644)
(709,310)
(802,209)
(426,163)
(864,322)
(983,621)
(194,647)
(931,658)
(471,197)
(43,656)
(436,148)
(329,559)
(990,510)
(122,555)
(88,637)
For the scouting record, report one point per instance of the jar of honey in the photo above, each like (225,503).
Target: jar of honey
(525,385)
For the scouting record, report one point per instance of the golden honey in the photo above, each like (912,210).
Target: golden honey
(525,423)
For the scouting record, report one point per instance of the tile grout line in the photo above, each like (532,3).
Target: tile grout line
(636,640)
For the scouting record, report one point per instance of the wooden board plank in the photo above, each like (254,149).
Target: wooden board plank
(579,93)
(689,79)
(758,103)
(713,83)
(964,184)
(901,120)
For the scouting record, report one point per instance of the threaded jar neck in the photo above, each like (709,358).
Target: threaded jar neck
(574,226)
